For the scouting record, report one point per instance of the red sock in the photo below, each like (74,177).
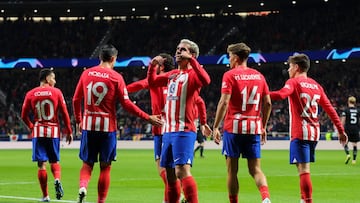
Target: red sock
(163,177)
(174,190)
(190,189)
(56,170)
(85,175)
(103,183)
(306,187)
(42,176)
(233,198)
(264,191)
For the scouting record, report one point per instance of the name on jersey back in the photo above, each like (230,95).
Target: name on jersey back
(247,77)
(98,74)
(42,93)
(309,85)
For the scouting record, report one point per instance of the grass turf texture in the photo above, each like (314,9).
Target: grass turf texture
(134,178)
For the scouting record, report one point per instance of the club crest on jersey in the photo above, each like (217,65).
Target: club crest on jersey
(172,88)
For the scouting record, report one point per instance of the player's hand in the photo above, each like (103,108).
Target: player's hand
(343,138)
(216,135)
(69,138)
(31,127)
(78,129)
(206,130)
(69,135)
(155,120)
(263,137)
(157,60)
(185,55)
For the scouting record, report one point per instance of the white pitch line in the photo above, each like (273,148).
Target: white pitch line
(16,183)
(35,199)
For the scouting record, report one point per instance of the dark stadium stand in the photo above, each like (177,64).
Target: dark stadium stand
(310,25)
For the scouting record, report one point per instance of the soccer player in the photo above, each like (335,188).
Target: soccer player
(350,119)
(45,102)
(101,87)
(305,95)
(163,64)
(203,128)
(183,86)
(245,103)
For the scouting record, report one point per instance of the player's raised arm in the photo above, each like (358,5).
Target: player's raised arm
(154,79)
(138,85)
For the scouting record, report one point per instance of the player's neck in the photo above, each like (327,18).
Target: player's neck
(241,66)
(184,67)
(302,74)
(44,84)
(106,65)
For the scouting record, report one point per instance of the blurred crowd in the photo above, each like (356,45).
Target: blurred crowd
(297,28)
(15,83)
(287,30)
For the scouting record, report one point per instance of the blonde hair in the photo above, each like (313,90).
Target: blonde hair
(194,48)
(352,100)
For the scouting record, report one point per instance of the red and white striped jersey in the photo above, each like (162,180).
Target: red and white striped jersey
(45,102)
(247,88)
(305,95)
(183,88)
(101,88)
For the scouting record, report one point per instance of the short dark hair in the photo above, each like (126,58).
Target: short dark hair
(106,52)
(302,60)
(240,49)
(169,62)
(44,73)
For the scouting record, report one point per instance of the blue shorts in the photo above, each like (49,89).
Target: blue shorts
(157,146)
(302,151)
(46,149)
(96,146)
(177,149)
(235,145)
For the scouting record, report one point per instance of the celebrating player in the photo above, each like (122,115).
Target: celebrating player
(305,95)
(183,86)
(45,102)
(101,87)
(245,103)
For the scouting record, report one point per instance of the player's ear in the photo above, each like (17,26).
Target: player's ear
(47,79)
(113,59)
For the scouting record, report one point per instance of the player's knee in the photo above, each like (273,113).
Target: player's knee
(105,165)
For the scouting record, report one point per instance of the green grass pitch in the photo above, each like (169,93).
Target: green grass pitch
(134,178)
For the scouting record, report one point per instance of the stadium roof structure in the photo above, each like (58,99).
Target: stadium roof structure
(76,8)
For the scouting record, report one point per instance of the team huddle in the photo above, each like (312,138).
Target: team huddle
(178,110)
